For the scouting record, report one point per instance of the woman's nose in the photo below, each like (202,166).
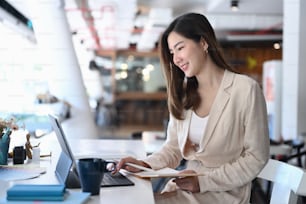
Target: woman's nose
(176,59)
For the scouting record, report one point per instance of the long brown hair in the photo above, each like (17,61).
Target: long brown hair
(182,93)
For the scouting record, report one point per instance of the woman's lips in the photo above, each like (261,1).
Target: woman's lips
(184,67)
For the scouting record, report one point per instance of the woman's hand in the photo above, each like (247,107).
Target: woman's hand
(189,183)
(122,164)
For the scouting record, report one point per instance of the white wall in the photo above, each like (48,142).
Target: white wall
(294,69)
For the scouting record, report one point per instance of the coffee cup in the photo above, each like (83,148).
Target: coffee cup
(91,172)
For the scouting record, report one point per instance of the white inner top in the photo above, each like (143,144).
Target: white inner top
(197,128)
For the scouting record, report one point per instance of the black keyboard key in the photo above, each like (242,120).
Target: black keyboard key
(110,180)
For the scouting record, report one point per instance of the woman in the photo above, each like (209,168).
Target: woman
(218,119)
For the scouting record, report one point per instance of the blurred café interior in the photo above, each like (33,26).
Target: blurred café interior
(95,63)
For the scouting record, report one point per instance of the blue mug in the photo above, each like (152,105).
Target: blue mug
(91,172)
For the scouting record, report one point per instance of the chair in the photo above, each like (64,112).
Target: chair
(288,150)
(136,135)
(297,145)
(289,181)
(284,150)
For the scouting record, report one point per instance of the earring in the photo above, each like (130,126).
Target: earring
(206,51)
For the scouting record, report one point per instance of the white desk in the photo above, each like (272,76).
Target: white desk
(140,193)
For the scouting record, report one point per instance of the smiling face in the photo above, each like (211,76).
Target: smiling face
(187,54)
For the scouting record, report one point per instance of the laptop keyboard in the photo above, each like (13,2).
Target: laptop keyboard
(117,179)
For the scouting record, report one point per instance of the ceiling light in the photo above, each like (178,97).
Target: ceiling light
(235,5)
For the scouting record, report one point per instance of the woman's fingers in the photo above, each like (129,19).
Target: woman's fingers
(189,183)
(122,164)
(187,171)
(123,161)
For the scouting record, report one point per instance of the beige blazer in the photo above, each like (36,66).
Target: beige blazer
(233,149)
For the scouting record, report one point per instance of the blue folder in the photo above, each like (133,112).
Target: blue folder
(36,192)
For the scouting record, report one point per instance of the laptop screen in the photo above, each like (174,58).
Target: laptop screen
(66,166)
(61,137)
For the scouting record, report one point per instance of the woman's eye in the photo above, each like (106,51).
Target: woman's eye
(180,48)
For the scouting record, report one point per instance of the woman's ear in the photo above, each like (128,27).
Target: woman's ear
(204,44)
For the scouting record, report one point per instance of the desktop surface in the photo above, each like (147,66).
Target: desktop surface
(106,149)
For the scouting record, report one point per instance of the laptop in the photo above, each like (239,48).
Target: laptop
(66,171)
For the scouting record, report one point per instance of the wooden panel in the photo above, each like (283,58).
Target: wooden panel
(250,60)
(140,108)
(137,95)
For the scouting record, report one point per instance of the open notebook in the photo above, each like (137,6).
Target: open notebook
(160,173)
(66,171)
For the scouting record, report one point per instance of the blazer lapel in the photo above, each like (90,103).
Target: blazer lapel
(185,129)
(218,106)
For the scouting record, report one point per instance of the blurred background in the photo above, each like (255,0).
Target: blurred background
(96,61)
